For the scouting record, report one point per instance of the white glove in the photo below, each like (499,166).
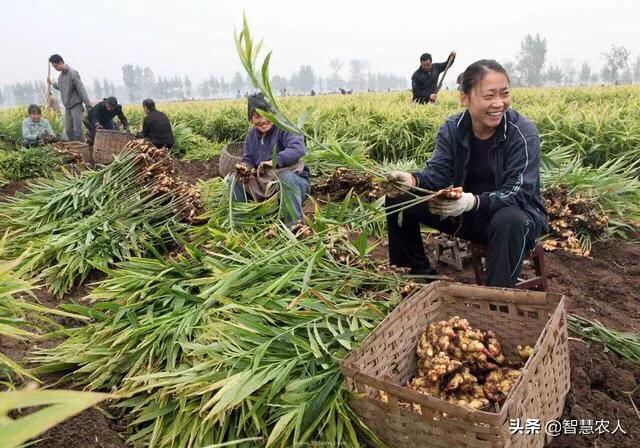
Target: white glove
(448,207)
(398,182)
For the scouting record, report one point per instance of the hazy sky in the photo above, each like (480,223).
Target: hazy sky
(195,37)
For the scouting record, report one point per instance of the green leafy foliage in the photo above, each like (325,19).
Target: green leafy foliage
(77,223)
(28,163)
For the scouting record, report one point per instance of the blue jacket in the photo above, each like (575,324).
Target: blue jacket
(258,148)
(514,160)
(33,132)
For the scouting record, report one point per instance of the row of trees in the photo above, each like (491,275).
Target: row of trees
(305,79)
(531,68)
(102,89)
(142,83)
(27,92)
(35,92)
(358,78)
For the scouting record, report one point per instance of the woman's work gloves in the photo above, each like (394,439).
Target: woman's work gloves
(398,182)
(448,207)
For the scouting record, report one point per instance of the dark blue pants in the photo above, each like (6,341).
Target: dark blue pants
(294,187)
(508,234)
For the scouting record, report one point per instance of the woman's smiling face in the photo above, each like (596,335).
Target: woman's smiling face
(487,102)
(262,124)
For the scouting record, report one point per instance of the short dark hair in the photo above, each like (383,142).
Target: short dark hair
(425,57)
(111,101)
(477,71)
(55,59)
(34,109)
(149,104)
(255,102)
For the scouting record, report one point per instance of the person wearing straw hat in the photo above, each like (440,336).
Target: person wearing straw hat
(493,154)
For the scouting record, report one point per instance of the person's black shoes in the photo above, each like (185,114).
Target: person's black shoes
(423,271)
(423,275)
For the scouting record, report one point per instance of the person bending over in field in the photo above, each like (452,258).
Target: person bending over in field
(424,81)
(35,129)
(156,126)
(493,153)
(102,114)
(262,140)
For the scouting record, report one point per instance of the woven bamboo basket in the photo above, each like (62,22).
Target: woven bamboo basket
(387,360)
(230,155)
(108,143)
(83,150)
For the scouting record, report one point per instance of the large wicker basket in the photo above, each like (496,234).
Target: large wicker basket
(387,360)
(231,155)
(83,151)
(108,143)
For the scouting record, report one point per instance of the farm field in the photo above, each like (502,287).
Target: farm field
(230,327)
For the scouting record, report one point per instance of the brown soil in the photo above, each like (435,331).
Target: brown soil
(90,428)
(12,188)
(605,287)
(602,387)
(343,182)
(194,170)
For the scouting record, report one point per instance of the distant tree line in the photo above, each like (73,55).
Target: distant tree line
(24,93)
(531,68)
(142,83)
(303,80)
(35,92)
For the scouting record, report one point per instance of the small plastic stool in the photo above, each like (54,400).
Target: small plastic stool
(538,283)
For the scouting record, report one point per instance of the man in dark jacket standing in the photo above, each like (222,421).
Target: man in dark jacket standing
(73,95)
(425,80)
(102,114)
(156,127)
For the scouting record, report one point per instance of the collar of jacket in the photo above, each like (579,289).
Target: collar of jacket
(464,131)
(266,134)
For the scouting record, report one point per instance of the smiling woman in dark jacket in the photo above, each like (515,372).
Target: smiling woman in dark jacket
(493,153)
